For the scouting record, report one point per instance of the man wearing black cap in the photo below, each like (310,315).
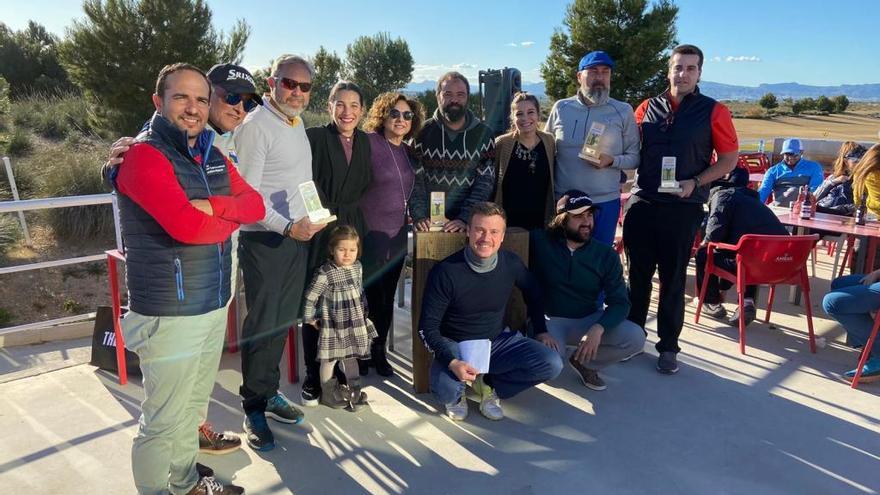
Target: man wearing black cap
(574,270)
(681,131)
(233,95)
(734,211)
(571,120)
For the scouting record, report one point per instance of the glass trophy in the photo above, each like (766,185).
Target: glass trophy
(668,184)
(438,210)
(591,150)
(317,212)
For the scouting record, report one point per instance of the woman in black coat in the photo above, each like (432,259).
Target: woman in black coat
(342,172)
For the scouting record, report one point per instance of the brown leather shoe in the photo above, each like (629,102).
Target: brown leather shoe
(211,442)
(210,486)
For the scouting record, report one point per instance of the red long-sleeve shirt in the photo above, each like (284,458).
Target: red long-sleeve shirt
(148,178)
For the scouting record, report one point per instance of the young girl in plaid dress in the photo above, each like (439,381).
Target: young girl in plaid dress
(336,304)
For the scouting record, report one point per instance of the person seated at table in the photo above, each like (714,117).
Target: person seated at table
(866,179)
(835,195)
(465,299)
(784,179)
(853,302)
(575,270)
(734,211)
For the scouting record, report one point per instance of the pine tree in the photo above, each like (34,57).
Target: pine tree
(115,53)
(635,37)
(378,64)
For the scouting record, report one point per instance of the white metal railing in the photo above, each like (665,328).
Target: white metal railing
(20,206)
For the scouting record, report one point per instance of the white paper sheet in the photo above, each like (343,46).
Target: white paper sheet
(476,353)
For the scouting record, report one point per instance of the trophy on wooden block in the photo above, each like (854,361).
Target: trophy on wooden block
(317,212)
(668,184)
(438,210)
(591,150)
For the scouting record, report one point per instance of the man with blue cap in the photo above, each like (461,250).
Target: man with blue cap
(784,179)
(617,148)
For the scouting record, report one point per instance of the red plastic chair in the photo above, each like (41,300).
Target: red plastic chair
(865,354)
(764,260)
(755,163)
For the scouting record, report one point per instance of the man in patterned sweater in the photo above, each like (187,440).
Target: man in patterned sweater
(455,154)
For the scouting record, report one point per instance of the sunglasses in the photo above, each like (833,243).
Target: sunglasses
(290,84)
(396,114)
(233,99)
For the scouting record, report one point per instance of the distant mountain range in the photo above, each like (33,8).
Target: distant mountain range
(719,91)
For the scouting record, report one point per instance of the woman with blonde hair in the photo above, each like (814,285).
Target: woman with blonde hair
(835,194)
(392,121)
(524,178)
(866,179)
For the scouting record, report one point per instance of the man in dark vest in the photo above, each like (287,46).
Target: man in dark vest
(681,128)
(180,200)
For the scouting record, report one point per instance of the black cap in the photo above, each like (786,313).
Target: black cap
(574,202)
(234,79)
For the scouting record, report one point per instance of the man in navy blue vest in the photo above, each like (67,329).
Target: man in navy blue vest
(681,128)
(180,200)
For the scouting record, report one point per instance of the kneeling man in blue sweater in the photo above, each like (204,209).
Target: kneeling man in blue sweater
(464,300)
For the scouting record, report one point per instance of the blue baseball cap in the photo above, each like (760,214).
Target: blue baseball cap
(574,202)
(793,146)
(595,58)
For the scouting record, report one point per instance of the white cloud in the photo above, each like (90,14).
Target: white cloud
(512,44)
(527,43)
(464,66)
(715,59)
(521,44)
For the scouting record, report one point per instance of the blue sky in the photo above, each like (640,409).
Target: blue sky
(807,41)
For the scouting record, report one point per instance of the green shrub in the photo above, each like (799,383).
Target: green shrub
(26,180)
(5,317)
(77,174)
(53,115)
(19,144)
(10,231)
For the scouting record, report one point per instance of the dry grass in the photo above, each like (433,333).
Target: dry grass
(845,126)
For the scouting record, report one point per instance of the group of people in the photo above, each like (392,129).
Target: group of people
(217,157)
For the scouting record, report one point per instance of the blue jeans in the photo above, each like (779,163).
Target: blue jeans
(605,221)
(850,302)
(515,364)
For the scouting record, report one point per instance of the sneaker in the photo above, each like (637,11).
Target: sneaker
(591,378)
(458,411)
(667,363)
(210,486)
(204,471)
(335,395)
(870,371)
(715,311)
(311,394)
(380,362)
(750,312)
(281,409)
(211,442)
(257,432)
(363,367)
(490,404)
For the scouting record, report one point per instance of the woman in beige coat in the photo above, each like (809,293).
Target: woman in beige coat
(524,179)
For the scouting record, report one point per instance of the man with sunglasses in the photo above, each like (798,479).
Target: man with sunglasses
(275,158)
(785,179)
(233,95)
(684,127)
(570,121)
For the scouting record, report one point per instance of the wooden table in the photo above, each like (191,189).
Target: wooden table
(429,249)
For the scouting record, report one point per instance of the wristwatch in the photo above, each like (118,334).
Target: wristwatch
(697,181)
(286,231)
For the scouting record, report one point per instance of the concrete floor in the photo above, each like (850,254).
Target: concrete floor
(777,420)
